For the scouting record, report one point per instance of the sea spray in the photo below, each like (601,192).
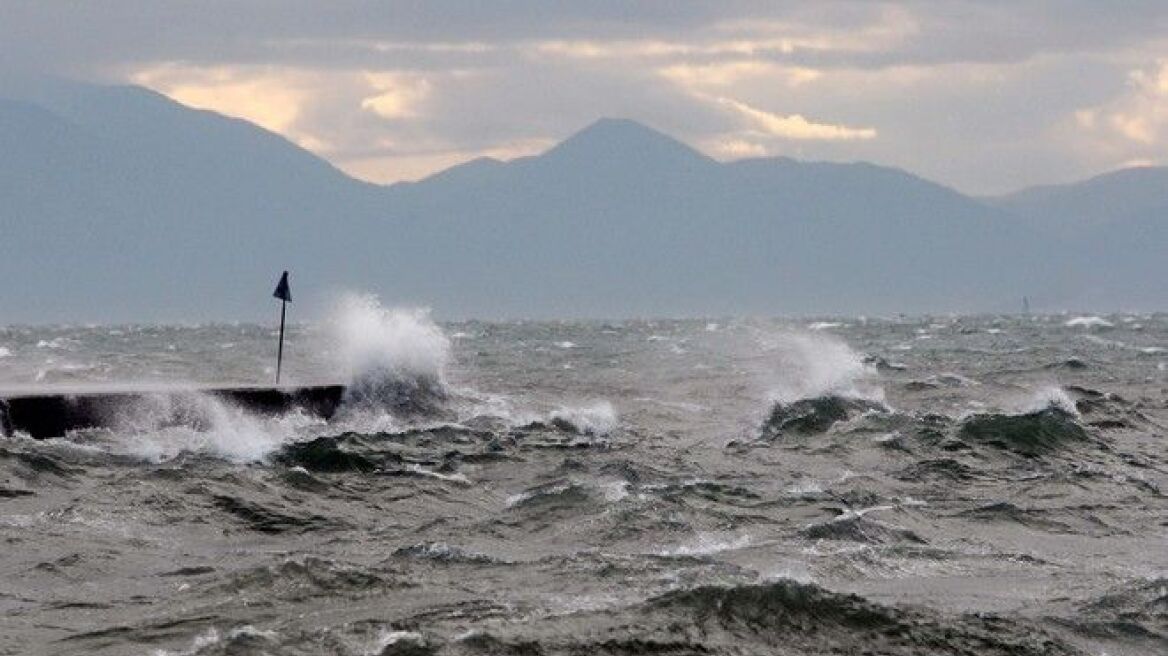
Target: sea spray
(395,359)
(159,427)
(809,366)
(598,419)
(816,382)
(1050,396)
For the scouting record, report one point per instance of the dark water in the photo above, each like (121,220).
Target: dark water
(986,485)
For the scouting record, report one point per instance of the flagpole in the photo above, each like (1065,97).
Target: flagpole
(280,352)
(284,293)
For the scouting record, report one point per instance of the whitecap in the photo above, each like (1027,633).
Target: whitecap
(705,544)
(810,365)
(598,419)
(450,478)
(1089,322)
(1051,396)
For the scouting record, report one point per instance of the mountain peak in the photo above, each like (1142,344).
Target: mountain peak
(625,140)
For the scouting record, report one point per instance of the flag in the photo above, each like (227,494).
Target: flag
(283,291)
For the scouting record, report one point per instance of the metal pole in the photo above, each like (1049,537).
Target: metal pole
(280,352)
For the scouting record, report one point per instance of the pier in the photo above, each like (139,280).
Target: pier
(44,415)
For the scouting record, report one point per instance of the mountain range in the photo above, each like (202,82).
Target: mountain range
(119,204)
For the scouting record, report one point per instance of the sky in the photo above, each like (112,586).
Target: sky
(985,96)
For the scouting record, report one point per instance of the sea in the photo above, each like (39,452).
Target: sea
(937,485)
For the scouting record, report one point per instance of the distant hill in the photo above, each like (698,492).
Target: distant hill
(1101,200)
(120,204)
(1115,230)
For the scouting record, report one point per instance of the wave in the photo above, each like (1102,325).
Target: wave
(854,527)
(555,494)
(598,419)
(814,416)
(161,426)
(267,519)
(816,365)
(395,359)
(307,577)
(324,454)
(789,616)
(1137,610)
(1089,322)
(446,553)
(1030,434)
(241,639)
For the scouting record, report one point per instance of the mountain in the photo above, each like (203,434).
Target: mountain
(120,204)
(1114,234)
(620,219)
(1101,200)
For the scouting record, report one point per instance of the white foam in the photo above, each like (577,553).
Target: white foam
(598,419)
(1089,322)
(162,426)
(5,353)
(211,637)
(401,341)
(566,345)
(813,365)
(614,491)
(390,355)
(823,325)
(450,478)
(705,544)
(1051,396)
(804,488)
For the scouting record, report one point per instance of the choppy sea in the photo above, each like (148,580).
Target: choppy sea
(882,485)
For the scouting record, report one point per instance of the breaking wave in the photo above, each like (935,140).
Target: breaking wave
(598,419)
(1030,434)
(820,381)
(395,359)
(816,365)
(161,426)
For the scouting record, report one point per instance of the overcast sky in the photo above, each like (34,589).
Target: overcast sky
(985,96)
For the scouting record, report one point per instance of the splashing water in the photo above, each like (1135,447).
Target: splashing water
(161,426)
(815,365)
(395,358)
(1051,396)
(598,419)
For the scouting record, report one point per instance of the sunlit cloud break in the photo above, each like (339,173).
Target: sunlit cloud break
(795,126)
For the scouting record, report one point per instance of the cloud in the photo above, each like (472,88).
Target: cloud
(734,147)
(411,166)
(795,126)
(268,97)
(728,73)
(399,95)
(1132,126)
(983,95)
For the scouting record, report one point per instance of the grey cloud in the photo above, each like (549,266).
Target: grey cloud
(1044,60)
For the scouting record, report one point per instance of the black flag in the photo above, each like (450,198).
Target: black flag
(283,291)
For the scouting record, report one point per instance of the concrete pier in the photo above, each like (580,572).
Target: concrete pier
(46,415)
